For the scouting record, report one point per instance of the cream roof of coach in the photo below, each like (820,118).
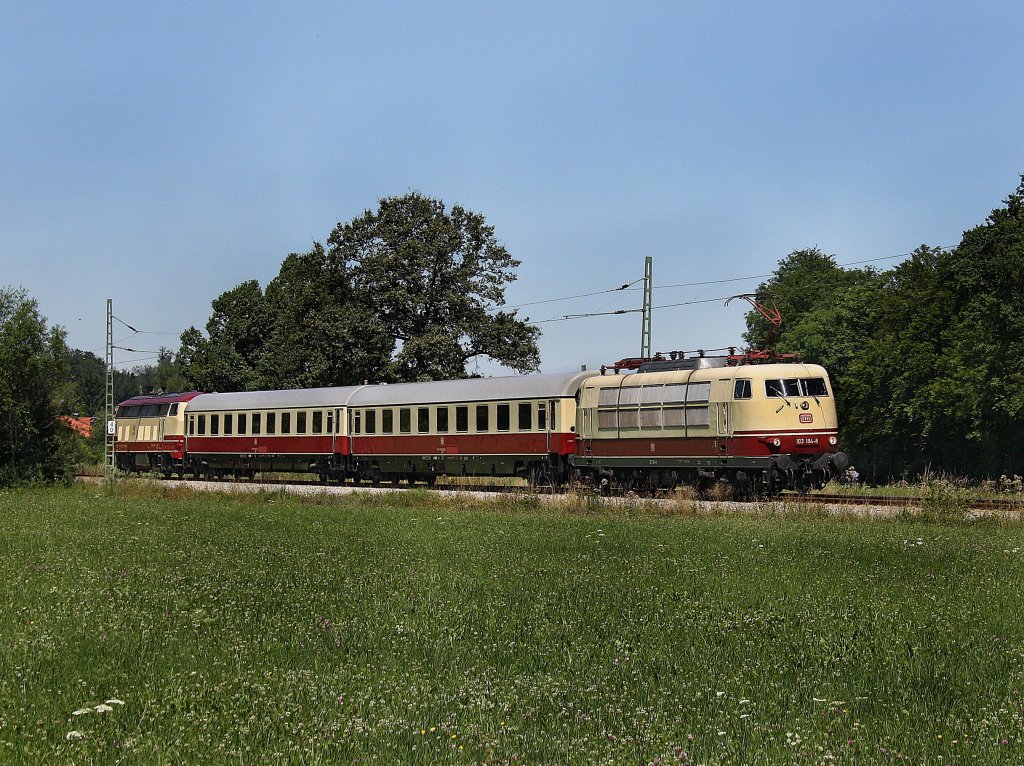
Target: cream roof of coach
(510,388)
(298,398)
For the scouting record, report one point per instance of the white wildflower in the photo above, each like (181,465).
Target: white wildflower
(103,708)
(82,711)
(74,735)
(115,701)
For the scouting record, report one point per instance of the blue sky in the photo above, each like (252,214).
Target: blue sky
(159,154)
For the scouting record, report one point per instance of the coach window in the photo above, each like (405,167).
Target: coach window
(241,423)
(286,422)
(228,424)
(387,421)
(422,420)
(214,425)
(192,425)
(542,416)
(405,420)
(482,412)
(554,413)
(300,422)
(271,423)
(357,421)
(371,421)
(202,425)
(742,389)
(257,423)
(318,421)
(462,419)
(503,417)
(442,420)
(525,416)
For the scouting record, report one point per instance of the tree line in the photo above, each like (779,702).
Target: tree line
(926,358)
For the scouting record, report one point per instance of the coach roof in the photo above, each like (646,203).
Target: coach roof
(512,387)
(297,398)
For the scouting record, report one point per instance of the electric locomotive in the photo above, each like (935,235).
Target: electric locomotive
(760,427)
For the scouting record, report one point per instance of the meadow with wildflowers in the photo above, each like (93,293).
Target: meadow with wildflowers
(165,627)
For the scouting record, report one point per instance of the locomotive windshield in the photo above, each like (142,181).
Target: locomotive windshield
(786,387)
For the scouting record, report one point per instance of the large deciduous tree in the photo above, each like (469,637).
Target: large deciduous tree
(34,388)
(411,291)
(432,277)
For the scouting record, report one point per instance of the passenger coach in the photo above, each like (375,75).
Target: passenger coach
(522,425)
(299,430)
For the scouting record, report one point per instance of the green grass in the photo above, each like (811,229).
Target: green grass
(409,629)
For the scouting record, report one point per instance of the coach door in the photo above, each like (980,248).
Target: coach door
(334,428)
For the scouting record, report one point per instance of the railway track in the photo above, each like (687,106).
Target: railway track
(991,505)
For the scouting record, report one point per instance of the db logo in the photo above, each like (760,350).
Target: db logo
(806,417)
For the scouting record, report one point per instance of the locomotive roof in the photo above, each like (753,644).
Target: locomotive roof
(755,371)
(298,398)
(144,399)
(472,389)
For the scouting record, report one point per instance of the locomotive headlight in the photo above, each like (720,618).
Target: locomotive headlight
(777,442)
(833,440)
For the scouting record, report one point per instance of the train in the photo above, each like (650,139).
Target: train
(758,426)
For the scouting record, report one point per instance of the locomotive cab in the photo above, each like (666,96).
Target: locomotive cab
(787,412)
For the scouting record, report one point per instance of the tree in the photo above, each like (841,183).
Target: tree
(34,391)
(979,387)
(432,278)
(321,334)
(228,357)
(804,282)
(90,378)
(408,292)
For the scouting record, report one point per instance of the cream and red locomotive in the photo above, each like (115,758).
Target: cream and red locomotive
(761,427)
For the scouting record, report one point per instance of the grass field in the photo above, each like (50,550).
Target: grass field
(155,627)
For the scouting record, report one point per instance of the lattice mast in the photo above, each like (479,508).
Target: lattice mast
(108,420)
(645,333)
